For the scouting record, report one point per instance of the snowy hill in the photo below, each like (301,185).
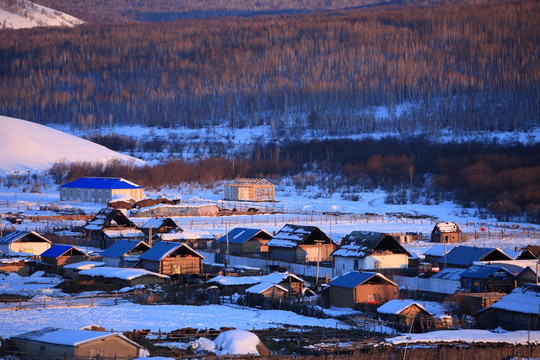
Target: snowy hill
(19,14)
(29,146)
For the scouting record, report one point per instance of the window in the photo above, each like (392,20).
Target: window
(355,264)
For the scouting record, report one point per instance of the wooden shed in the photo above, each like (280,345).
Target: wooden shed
(242,241)
(356,288)
(446,232)
(60,344)
(406,315)
(159,226)
(300,244)
(172,258)
(242,189)
(59,254)
(267,290)
(29,242)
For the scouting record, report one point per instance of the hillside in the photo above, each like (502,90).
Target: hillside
(26,146)
(19,14)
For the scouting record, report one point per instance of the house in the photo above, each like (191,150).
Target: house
(434,253)
(108,226)
(171,258)
(464,256)
(241,241)
(526,276)
(99,189)
(159,226)
(300,244)
(359,288)
(369,250)
(124,253)
(59,255)
(123,277)
(516,311)
(242,189)
(59,344)
(407,315)
(483,278)
(29,242)
(517,254)
(446,232)
(268,290)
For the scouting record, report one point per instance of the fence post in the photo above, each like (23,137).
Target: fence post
(116,298)
(92,300)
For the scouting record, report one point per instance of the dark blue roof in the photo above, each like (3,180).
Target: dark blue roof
(162,249)
(121,247)
(353,279)
(483,272)
(466,255)
(240,235)
(57,250)
(101,183)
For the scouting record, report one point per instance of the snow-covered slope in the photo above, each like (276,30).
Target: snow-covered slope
(19,14)
(29,146)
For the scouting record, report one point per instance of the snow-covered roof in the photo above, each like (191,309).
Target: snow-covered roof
(163,249)
(185,235)
(354,278)
(101,183)
(241,235)
(157,223)
(397,306)
(449,274)
(438,250)
(108,218)
(68,337)
(122,247)
(519,254)
(364,243)
(469,336)
(523,299)
(446,227)
(20,235)
(290,236)
(84,265)
(273,278)
(123,233)
(262,287)
(119,273)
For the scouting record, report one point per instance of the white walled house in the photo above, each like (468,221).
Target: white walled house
(24,242)
(369,250)
(99,189)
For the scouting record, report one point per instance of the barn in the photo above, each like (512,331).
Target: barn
(99,189)
(242,189)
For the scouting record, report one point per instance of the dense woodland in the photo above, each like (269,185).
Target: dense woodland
(463,67)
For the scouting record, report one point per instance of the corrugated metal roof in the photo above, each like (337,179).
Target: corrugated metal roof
(355,278)
(241,235)
(483,271)
(466,255)
(58,250)
(163,249)
(122,247)
(101,183)
(20,234)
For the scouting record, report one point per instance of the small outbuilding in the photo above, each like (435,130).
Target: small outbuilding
(124,253)
(242,189)
(360,288)
(406,315)
(58,344)
(159,226)
(242,241)
(124,277)
(29,242)
(59,255)
(172,258)
(99,189)
(268,290)
(446,232)
(526,276)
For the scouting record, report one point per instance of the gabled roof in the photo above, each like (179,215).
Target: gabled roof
(58,250)
(157,223)
(438,250)
(109,218)
(123,246)
(520,254)
(164,248)
(120,273)
(453,274)
(291,236)
(26,236)
(249,181)
(523,299)
(395,307)
(446,227)
(527,269)
(354,278)
(273,278)
(364,243)
(68,337)
(484,272)
(242,235)
(123,233)
(262,287)
(101,183)
(466,255)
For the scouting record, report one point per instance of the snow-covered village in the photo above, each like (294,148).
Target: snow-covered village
(353,179)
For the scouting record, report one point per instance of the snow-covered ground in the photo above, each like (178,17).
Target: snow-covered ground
(28,14)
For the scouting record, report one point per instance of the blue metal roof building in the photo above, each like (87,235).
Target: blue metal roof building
(101,183)
(355,278)
(100,189)
(58,250)
(465,256)
(241,235)
(123,246)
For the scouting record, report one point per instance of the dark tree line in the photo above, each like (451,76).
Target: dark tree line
(464,67)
